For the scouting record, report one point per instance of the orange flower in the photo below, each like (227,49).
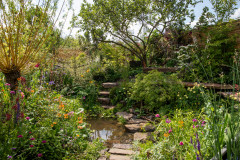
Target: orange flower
(80,121)
(180,122)
(32,91)
(166,134)
(59,115)
(80,127)
(65,116)
(79,118)
(51,125)
(54,122)
(77,135)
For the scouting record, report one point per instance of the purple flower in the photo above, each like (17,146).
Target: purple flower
(20,136)
(12,92)
(51,83)
(71,113)
(181,143)
(168,121)
(9,157)
(84,97)
(157,115)
(27,118)
(44,141)
(194,120)
(40,154)
(170,131)
(193,126)
(31,145)
(7,84)
(203,122)
(32,139)
(13,148)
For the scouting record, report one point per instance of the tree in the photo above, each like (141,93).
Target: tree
(26,31)
(112,21)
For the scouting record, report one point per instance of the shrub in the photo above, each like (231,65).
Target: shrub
(156,90)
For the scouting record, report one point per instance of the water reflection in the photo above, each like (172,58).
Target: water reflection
(110,131)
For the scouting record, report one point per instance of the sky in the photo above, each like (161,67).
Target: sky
(198,11)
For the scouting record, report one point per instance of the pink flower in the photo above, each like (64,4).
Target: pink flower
(194,120)
(12,92)
(7,84)
(27,118)
(20,136)
(39,154)
(203,122)
(193,126)
(84,97)
(157,115)
(37,65)
(181,143)
(32,139)
(170,131)
(31,145)
(168,121)
(44,141)
(71,113)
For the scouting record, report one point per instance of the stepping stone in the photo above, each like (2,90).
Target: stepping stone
(104,93)
(110,84)
(102,158)
(140,127)
(139,136)
(102,152)
(125,115)
(108,107)
(104,100)
(122,146)
(119,157)
(137,121)
(120,151)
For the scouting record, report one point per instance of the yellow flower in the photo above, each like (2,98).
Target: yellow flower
(65,116)
(81,75)
(166,134)
(87,70)
(77,135)
(90,81)
(54,122)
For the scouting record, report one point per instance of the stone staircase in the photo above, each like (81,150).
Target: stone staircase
(104,98)
(140,128)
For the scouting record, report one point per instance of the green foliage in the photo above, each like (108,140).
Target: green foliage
(156,90)
(214,62)
(170,132)
(38,122)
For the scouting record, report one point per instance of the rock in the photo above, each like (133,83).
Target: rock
(108,107)
(140,127)
(102,158)
(119,157)
(102,152)
(122,146)
(125,115)
(104,93)
(104,100)
(110,84)
(137,121)
(138,136)
(121,151)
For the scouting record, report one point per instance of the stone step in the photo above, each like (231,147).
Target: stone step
(104,100)
(108,107)
(110,84)
(104,93)
(121,151)
(136,121)
(125,115)
(141,127)
(139,136)
(102,158)
(122,146)
(119,157)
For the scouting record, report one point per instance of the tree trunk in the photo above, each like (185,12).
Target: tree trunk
(144,61)
(11,78)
